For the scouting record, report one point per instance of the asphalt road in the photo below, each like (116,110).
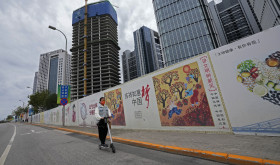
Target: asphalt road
(33,145)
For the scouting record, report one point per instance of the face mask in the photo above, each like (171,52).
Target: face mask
(102,102)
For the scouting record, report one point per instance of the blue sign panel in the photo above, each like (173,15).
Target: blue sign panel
(64,91)
(30,111)
(95,9)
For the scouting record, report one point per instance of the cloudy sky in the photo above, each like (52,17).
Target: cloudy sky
(25,35)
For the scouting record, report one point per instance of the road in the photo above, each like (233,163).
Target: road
(33,145)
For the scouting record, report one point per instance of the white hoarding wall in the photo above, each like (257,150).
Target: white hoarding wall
(248,73)
(233,88)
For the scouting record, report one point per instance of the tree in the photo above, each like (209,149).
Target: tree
(195,73)
(156,83)
(162,96)
(51,101)
(42,101)
(10,117)
(178,87)
(20,110)
(169,77)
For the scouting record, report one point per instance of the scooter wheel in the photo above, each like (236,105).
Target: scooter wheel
(113,148)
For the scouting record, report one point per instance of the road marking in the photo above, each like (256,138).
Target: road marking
(7,150)
(64,132)
(32,131)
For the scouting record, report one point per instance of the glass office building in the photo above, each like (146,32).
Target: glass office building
(267,12)
(54,70)
(129,66)
(233,20)
(52,85)
(185,28)
(147,50)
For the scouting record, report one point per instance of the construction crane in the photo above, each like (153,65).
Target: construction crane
(85,50)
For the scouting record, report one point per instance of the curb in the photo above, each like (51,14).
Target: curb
(215,156)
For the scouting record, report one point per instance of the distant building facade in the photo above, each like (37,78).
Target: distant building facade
(267,12)
(233,20)
(102,61)
(35,83)
(54,70)
(129,66)
(185,28)
(148,51)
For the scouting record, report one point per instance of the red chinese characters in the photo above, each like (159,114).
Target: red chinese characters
(145,92)
(92,108)
(209,76)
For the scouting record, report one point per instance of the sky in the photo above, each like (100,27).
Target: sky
(25,35)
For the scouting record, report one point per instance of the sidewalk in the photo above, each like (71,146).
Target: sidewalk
(236,149)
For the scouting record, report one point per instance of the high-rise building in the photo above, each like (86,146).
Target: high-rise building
(129,66)
(185,28)
(101,46)
(233,20)
(35,83)
(54,70)
(267,12)
(147,50)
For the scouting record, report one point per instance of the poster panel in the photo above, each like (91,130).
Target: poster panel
(86,109)
(55,116)
(140,104)
(71,118)
(248,72)
(114,101)
(42,118)
(187,96)
(46,117)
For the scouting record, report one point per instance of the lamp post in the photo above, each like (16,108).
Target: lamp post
(29,98)
(30,88)
(64,75)
(22,103)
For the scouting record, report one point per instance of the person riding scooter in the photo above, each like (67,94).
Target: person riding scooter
(102,112)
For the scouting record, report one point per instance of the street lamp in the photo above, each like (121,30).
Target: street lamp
(31,89)
(64,77)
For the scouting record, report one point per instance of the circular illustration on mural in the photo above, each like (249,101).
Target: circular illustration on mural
(83,111)
(262,77)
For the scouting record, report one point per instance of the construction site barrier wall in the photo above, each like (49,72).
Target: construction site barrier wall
(232,89)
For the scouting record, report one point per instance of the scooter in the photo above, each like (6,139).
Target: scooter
(111,141)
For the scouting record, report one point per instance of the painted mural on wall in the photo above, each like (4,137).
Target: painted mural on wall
(181,97)
(262,77)
(115,104)
(70,113)
(83,113)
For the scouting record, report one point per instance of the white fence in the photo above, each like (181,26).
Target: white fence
(234,88)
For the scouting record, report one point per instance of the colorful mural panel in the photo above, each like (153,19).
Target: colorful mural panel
(115,103)
(181,97)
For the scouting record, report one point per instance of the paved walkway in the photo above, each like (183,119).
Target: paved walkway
(228,148)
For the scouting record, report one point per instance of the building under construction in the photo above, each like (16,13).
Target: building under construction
(95,50)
